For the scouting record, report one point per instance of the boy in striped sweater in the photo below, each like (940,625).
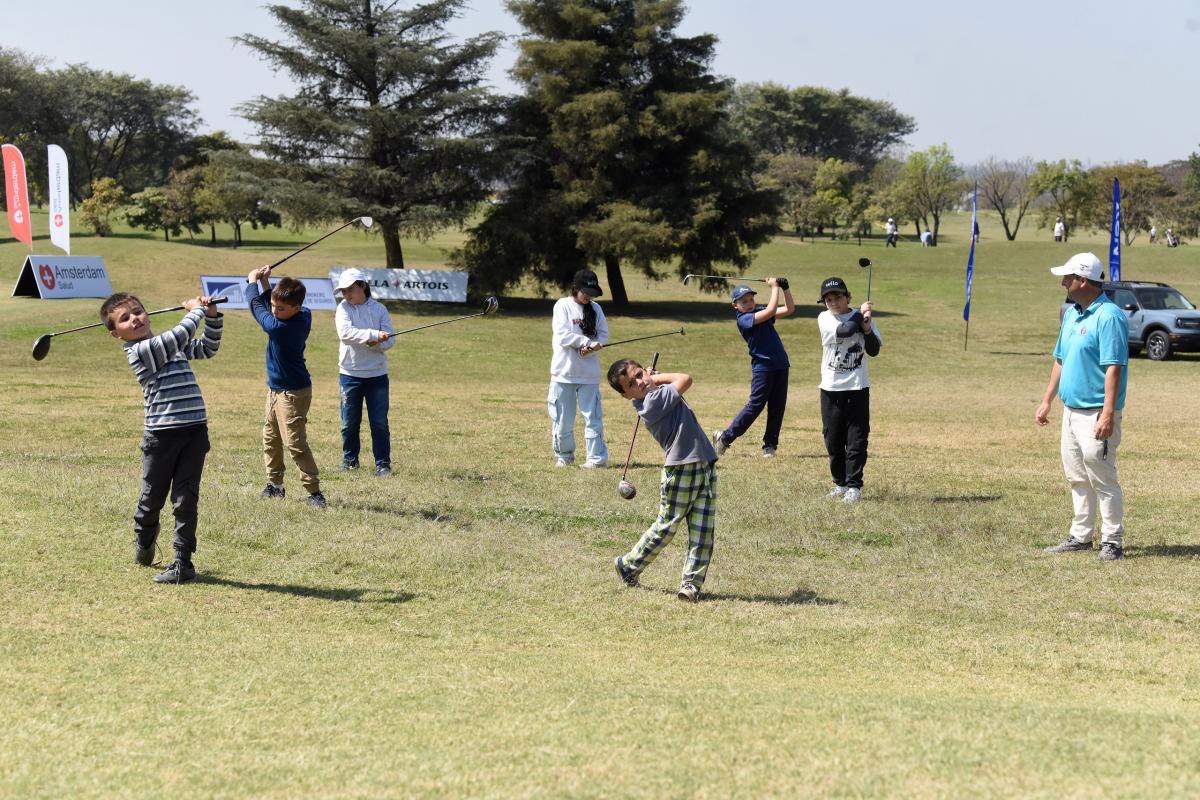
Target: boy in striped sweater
(176,437)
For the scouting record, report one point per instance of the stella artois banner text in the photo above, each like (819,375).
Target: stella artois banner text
(17,193)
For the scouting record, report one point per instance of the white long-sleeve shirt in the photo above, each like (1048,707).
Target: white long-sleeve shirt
(566,365)
(357,325)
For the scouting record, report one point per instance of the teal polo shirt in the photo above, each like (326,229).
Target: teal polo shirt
(1090,341)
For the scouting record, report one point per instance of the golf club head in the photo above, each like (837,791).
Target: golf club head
(366,222)
(686,278)
(864,262)
(626,489)
(41,346)
(491,306)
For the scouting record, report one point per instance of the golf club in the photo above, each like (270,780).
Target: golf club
(491,306)
(866,264)
(366,222)
(626,489)
(783,282)
(41,345)
(583,351)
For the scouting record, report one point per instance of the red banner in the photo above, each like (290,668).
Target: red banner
(16,190)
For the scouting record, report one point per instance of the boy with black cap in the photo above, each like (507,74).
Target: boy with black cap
(846,336)
(768,365)
(578,330)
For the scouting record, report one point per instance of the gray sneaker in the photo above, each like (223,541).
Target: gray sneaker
(768,452)
(1071,545)
(719,444)
(1110,552)
(688,592)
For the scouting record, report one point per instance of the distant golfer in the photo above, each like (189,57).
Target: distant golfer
(175,441)
(578,331)
(1089,375)
(689,474)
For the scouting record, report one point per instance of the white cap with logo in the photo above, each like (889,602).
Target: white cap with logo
(349,277)
(1085,265)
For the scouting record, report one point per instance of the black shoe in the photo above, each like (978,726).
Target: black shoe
(349,466)
(273,491)
(1110,552)
(382,471)
(143,555)
(178,572)
(627,575)
(317,500)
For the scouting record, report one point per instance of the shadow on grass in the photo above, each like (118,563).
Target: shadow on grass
(427,514)
(967,498)
(800,597)
(1009,353)
(1165,551)
(317,592)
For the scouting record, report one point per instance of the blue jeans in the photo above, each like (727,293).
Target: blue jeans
(767,390)
(561,402)
(375,392)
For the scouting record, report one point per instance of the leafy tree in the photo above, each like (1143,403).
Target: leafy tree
(1143,191)
(1005,186)
(234,189)
(1067,190)
(105,199)
(390,119)
(929,184)
(148,209)
(792,176)
(625,155)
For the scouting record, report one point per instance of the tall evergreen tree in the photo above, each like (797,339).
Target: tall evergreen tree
(390,120)
(625,152)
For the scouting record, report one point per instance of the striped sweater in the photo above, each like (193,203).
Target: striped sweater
(160,364)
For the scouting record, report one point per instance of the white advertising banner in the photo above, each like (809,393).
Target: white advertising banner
(60,205)
(437,286)
(58,277)
(318,292)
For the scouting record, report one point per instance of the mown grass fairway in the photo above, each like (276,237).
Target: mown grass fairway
(458,630)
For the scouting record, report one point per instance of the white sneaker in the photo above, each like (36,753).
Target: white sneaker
(719,443)
(836,493)
(593,465)
(768,452)
(852,496)
(564,462)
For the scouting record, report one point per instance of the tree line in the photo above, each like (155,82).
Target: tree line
(621,150)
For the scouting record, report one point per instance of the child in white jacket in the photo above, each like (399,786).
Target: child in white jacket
(579,330)
(364,334)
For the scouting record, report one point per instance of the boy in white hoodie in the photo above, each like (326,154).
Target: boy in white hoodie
(579,331)
(365,334)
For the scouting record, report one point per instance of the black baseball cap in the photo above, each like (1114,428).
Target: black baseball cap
(585,281)
(832,285)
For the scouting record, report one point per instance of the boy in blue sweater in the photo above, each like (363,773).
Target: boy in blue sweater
(282,315)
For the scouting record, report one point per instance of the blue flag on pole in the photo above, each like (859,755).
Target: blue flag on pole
(1114,247)
(971,258)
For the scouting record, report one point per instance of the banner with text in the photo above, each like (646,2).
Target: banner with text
(59,277)
(16,191)
(437,286)
(318,292)
(60,205)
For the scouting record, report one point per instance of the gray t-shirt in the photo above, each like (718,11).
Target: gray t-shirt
(673,425)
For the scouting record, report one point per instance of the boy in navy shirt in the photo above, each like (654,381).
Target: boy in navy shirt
(282,315)
(768,365)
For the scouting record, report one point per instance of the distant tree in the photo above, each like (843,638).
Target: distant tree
(792,176)
(1005,186)
(25,116)
(930,184)
(1143,191)
(235,189)
(195,151)
(1066,189)
(105,199)
(625,156)
(390,119)
(148,209)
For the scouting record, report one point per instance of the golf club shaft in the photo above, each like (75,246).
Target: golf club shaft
(148,314)
(443,322)
(870,273)
(724,278)
(315,241)
(585,350)
(632,439)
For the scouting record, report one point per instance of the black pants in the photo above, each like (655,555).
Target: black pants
(767,390)
(846,424)
(172,461)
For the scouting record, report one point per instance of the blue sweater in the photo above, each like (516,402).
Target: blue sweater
(286,370)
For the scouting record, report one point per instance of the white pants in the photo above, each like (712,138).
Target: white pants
(560,404)
(1091,469)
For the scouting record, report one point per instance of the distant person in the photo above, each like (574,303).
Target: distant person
(578,331)
(1153,234)
(926,238)
(1089,375)
(893,233)
(365,334)
(1060,230)
(975,233)
(1172,238)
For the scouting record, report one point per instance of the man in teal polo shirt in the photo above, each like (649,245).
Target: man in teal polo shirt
(1089,376)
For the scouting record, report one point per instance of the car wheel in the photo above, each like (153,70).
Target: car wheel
(1158,346)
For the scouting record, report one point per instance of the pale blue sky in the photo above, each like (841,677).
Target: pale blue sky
(1089,80)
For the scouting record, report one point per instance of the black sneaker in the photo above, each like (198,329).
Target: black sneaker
(382,471)
(317,500)
(143,555)
(349,466)
(627,575)
(1071,545)
(1110,552)
(273,491)
(178,572)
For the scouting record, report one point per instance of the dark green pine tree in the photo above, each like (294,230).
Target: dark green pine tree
(391,119)
(625,153)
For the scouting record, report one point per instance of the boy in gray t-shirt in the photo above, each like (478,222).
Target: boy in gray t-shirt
(689,475)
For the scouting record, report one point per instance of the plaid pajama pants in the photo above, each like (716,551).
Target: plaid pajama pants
(689,492)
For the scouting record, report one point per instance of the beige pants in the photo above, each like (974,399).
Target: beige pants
(1092,473)
(286,425)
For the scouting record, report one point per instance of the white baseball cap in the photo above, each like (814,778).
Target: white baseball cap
(349,277)
(1085,265)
